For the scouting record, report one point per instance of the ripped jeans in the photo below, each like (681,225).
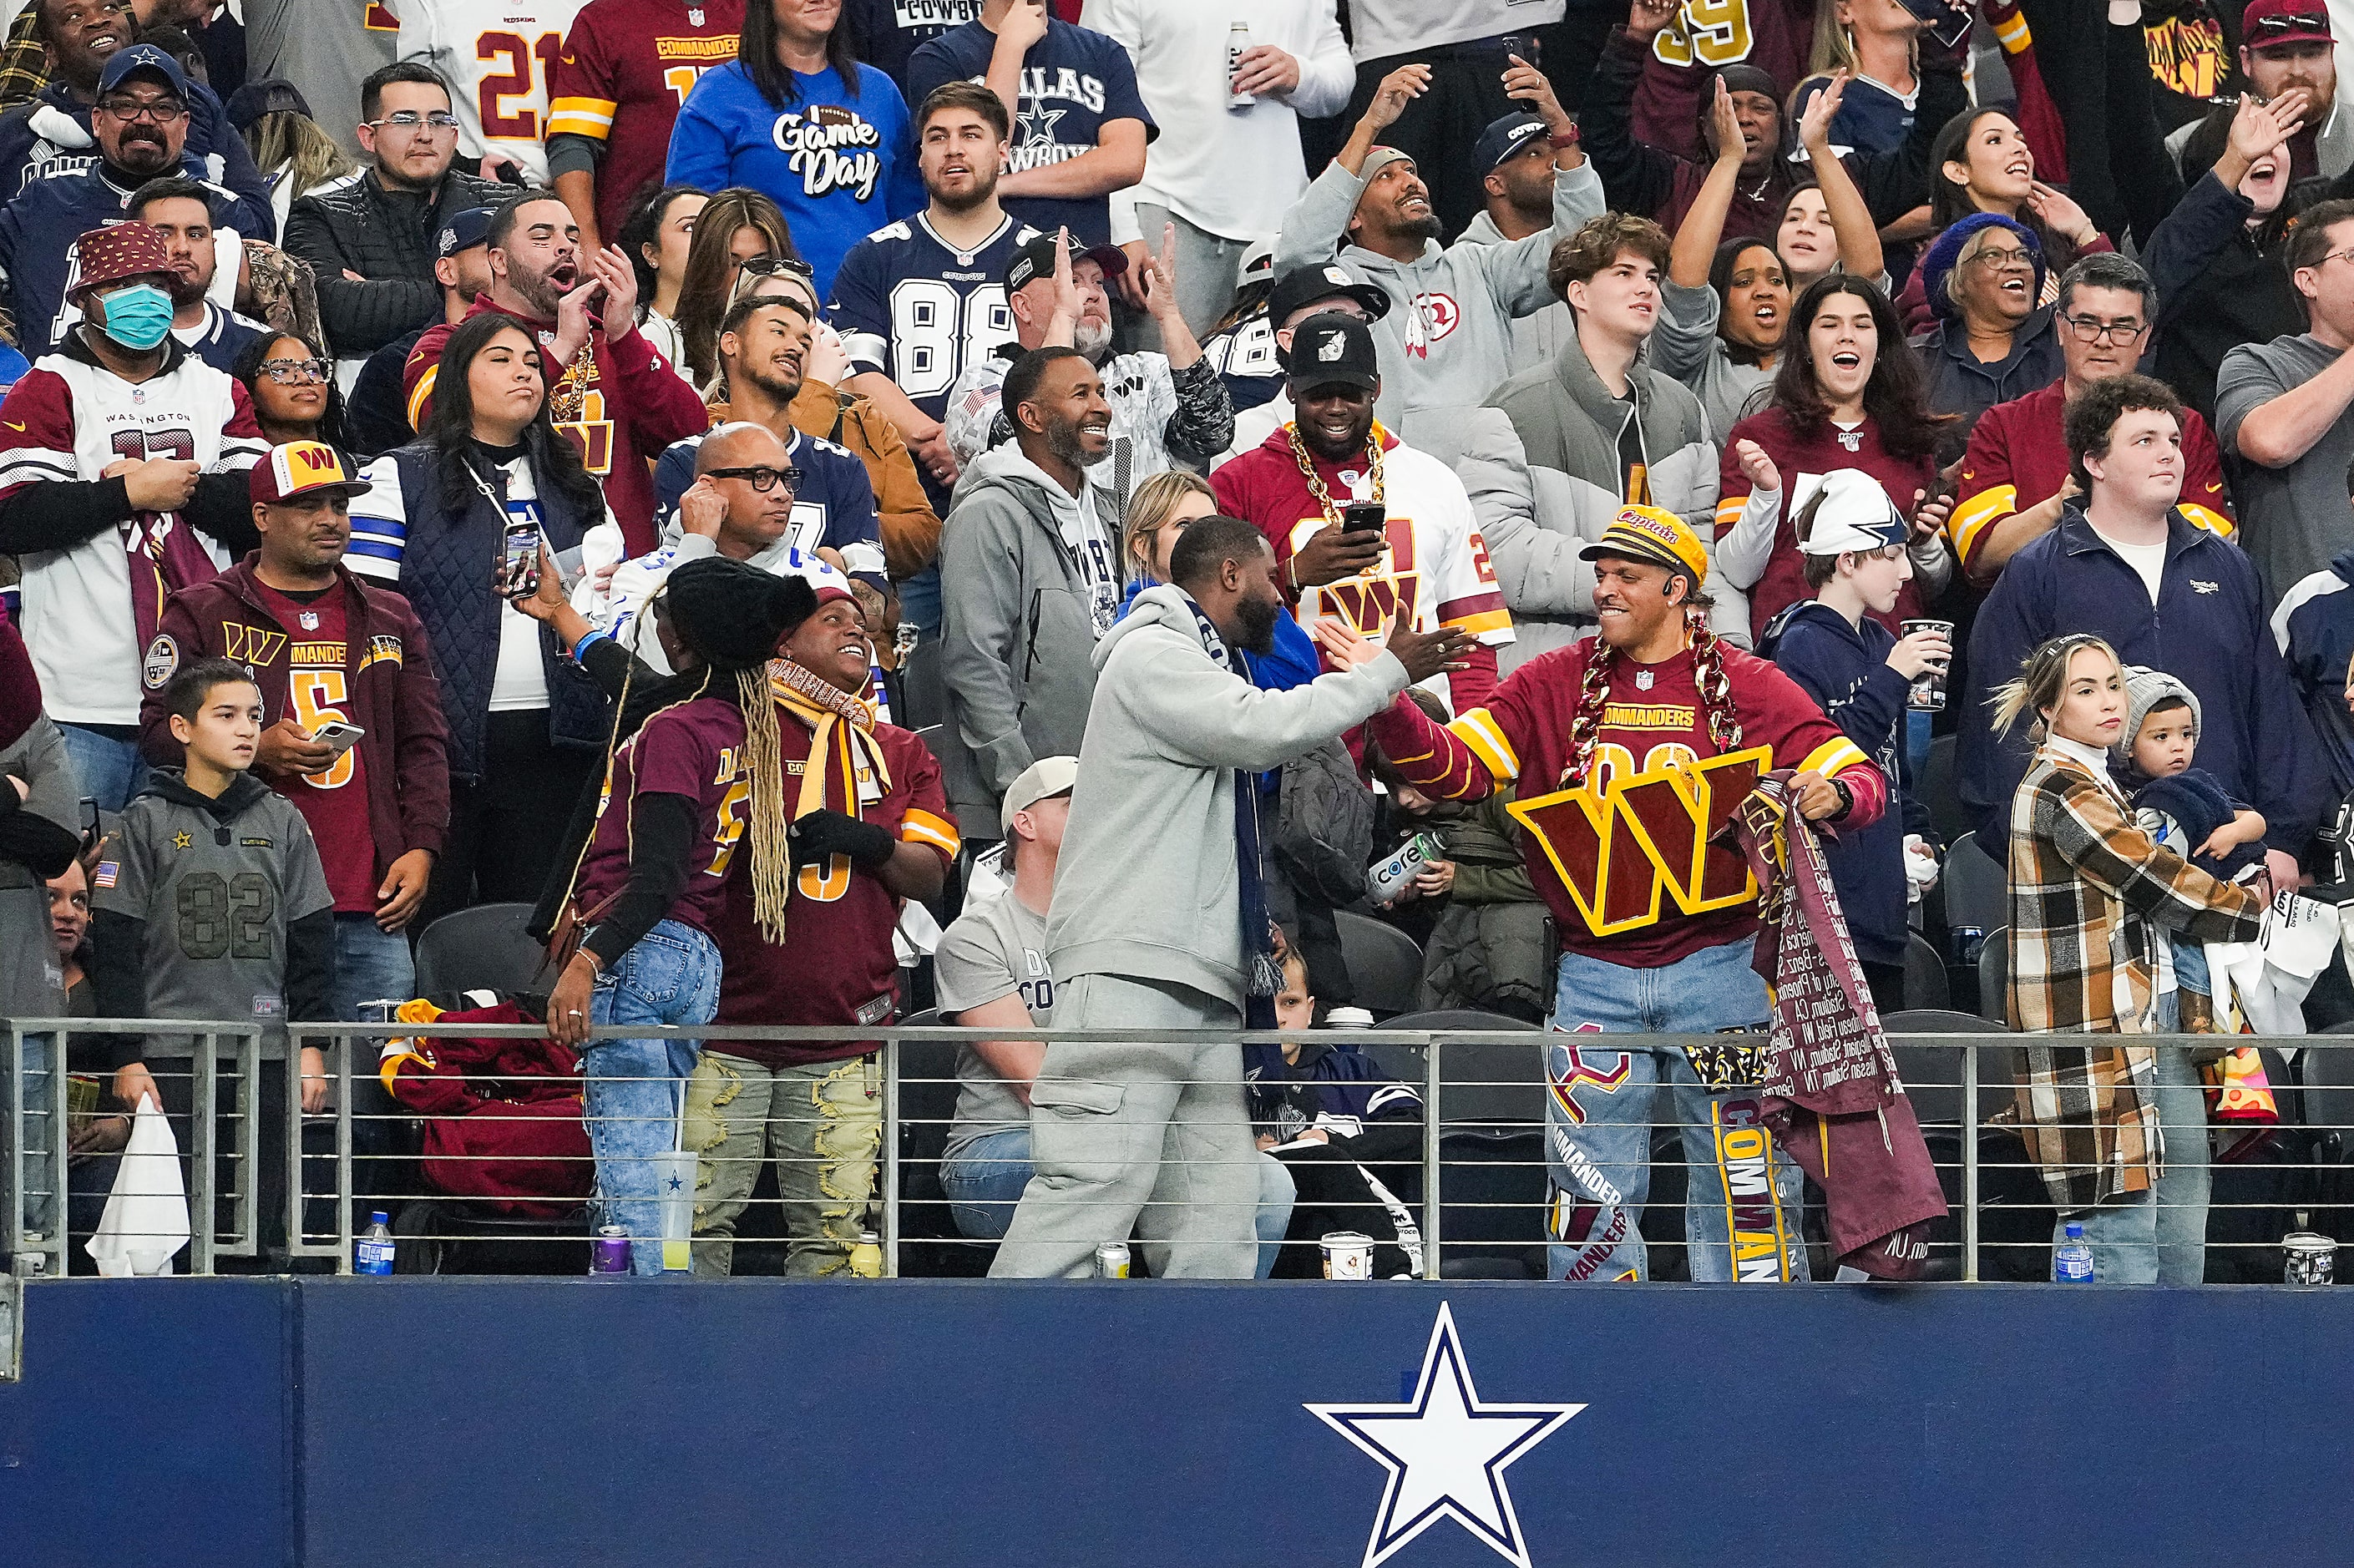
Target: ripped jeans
(822,1123)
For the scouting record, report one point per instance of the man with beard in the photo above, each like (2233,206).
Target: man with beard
(1424,562)
(369,242)
(1652,941)
(1518,184)
(1166,409)
(181,210)
(1448,334)
(375,416)
(1030,563)
(142,121)
(610,392)
(2285,45)
(55,132)
(1157,1133)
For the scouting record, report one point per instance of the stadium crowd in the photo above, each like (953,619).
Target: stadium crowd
(849,504)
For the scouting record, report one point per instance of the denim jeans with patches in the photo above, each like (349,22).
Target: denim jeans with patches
(1742,1207)
(821,1122)
(670,976)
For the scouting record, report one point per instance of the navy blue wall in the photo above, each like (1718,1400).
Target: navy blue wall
(520,1422)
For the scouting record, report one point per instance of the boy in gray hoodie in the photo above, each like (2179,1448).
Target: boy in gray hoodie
(1158,921)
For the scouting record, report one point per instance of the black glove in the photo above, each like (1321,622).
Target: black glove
(822,833)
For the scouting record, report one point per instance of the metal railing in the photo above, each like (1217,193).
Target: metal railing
(225,1132)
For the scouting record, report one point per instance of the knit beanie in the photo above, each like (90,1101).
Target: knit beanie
(735,614)
(1947,249)
(2145,689)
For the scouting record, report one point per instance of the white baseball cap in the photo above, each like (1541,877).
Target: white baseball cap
(1043,779)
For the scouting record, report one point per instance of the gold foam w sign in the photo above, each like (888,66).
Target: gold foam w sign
(1623,851)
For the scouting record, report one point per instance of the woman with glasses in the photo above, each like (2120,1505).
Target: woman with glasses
(293,390)
(451,519)
(658,238)
(796,116)
(1846,394)
(736,227)
(1994,339)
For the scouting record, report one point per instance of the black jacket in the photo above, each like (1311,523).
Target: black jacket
(386,237)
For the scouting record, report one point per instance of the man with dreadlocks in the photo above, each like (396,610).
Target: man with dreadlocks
(870,828)
(652,881)
(1627,754)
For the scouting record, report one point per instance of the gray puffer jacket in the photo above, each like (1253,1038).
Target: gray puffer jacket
(1017,634)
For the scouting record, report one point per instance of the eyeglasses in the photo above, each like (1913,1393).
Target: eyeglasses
(763,480)
(409,119)
(2018,258)
(2092,329)
(129,110)
(288,372)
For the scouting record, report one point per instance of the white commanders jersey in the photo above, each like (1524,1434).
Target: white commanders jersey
(496,56)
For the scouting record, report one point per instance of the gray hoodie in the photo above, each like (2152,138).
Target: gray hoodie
(1147,886)
(1537,338)
(1448,334)
(1016,631)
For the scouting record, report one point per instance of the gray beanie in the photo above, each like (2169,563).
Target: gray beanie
(2145,689)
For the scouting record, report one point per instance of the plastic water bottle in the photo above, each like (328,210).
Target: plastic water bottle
(375,1248)
(2072,1265)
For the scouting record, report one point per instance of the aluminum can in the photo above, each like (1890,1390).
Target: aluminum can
(2308,1257)
(1237,44)
(609,1254)
(1929,685)
(1386,880)
(1112,1260)
(1348,1254)
(1969,941)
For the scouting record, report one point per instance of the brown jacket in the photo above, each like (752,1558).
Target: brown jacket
(911,529)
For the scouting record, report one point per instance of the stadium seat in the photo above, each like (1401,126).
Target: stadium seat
(1978,888)
(1925,975)
(1384,962)
(1496,1087)
(1406,1064)
(1994,976)
(1492,1204)
(1932,1074)
(1946,814)
(482,948)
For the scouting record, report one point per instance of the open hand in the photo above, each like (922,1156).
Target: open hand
(1815,124)
(2061,214)
(1427,653)
(1732,146)
(568,1005)
(1397,89)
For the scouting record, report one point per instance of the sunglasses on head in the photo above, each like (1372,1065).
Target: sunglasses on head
(2293,21)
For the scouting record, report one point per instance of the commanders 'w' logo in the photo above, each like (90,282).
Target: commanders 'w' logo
(250,644)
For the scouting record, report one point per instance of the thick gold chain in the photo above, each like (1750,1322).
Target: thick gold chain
(1316,486)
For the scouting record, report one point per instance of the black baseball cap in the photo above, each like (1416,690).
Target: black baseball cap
(1502,139)
(268,95)
(1305,286)
(1037,259)
(1328,348)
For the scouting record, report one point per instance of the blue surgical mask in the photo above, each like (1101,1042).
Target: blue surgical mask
(138,317)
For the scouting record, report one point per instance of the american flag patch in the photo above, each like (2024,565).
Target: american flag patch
(108,870)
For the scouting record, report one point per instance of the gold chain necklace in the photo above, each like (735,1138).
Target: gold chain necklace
(1316,486)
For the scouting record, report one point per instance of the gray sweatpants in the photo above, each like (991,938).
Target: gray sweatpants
(1149,1137)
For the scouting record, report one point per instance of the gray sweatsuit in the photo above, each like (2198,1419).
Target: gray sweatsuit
(1145,932)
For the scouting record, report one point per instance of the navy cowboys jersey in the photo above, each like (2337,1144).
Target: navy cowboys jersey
(921,311)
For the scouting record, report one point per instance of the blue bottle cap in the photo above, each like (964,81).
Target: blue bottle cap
(2076,1230)
(381,1218)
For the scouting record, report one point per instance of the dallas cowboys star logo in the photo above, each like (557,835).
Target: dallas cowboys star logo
(1037,124)
(1446,1451)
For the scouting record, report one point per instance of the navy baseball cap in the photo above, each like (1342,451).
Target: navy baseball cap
(463,231)
(138,57)
(1502,139)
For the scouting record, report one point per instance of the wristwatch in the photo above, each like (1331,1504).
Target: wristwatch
(1847,798)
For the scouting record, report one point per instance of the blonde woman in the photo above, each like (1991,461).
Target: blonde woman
(2119,1131)
(1158,511)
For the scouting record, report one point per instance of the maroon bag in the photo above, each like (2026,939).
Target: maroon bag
(1833,1096)
(501,1115)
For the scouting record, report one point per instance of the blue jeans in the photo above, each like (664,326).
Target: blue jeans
(110,770)
(984,1180)
(1598,1124)
(371,964)
(671,977)
(2159,1236)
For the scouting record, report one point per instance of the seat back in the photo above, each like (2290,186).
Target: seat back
(1994,976)
(482,948)
(1925,975)
(1384,963)
(1978,886)
(1492,1204)
(1484,1086)
(1932,1074)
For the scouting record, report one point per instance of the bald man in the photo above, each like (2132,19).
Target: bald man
(741,506)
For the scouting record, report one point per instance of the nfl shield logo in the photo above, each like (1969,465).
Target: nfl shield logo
(310,619)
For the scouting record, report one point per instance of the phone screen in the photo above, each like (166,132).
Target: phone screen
(519,560)
(1364,517)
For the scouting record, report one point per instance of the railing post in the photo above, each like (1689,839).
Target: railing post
(1432,1073)
(247,1238)
(890,1062)
(1969,1162)
(204,1069)
(343,1194)
(12,1126)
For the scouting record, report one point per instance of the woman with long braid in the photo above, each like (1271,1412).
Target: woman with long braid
(1627,755)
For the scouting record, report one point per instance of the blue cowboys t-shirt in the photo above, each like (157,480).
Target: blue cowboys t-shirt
(886,32)
(1073,80)
(841,167)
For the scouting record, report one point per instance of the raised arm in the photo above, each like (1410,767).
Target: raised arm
(1850,215)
